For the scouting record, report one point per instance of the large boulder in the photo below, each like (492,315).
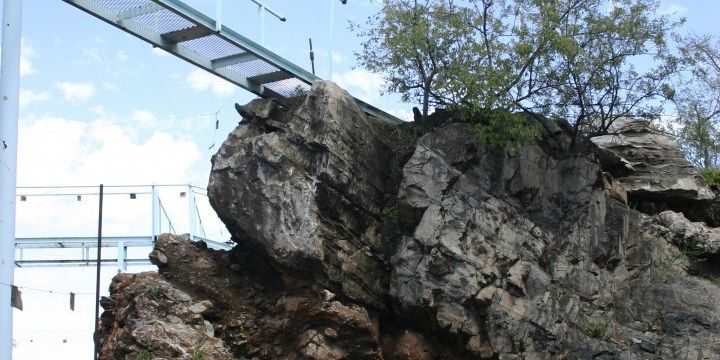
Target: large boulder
(651,166)
(206,304)
(531,255)
(349,248)
(693,237)
(307,187)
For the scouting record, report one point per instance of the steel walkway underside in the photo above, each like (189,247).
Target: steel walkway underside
(195,37)
(122,243)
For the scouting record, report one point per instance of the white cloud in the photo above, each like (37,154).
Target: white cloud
(81,91)
(27,52)
(337,57)
(121,56)
(143,116)
(202,80)
(110,86)
(28,97)
(361,83)
(90,56)
(58,151)
(75,152)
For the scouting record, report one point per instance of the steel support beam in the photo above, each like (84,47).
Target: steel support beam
(81,242)
(191,213)
(270,77)
(218,14)
(187,34)
(121,257)
(232,60)
(110,241)
(155,213)
(9,103)
(148,8)
(77,262)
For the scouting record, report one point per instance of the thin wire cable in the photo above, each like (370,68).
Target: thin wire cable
(159,80)
(202,227)
(217,116)
(48,290)
(167,217)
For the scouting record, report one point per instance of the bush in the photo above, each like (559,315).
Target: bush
(505,130)
(711,215)
(498,128)
(155,293)
(144,354)
(598,330)
(712,177)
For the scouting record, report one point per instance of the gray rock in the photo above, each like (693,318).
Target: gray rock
(695,236)
(309,194)
(648,346)
(649,164)
(524,248)
(510,254)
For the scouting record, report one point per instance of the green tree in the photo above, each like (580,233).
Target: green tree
(416,44)
(579,60)
(608,60)
(697,100)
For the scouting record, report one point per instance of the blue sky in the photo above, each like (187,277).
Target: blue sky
(99,105)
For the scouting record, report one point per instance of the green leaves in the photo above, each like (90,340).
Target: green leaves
(572,59)
(505,130)
(697,100)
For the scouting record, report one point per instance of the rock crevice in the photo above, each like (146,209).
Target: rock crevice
(349,247)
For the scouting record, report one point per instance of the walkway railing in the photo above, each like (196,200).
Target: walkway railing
(124,220)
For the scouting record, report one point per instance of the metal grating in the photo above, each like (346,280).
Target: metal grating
(163,21)
(192,36)
(213,47)
(122,5)
(288,87)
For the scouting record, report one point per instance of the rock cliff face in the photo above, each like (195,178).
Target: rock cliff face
(354,241)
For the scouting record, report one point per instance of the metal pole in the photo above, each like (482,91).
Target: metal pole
(9,93)
(155,215)
(271,11)
(191,213)
(261,8)
(312,57)
(218,15)
(121,256)
(97,271)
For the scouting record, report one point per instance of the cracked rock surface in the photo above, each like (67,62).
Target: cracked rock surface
(355,241)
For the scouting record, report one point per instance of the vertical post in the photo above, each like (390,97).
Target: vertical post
(261,17)
(191,213)
(330,35)
(9,102)
(121,256)
(97,270)
(312,56)
(261,8)
(218,15)
(155,213)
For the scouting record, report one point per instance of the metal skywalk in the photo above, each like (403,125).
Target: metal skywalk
(82,249)
(200,40)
